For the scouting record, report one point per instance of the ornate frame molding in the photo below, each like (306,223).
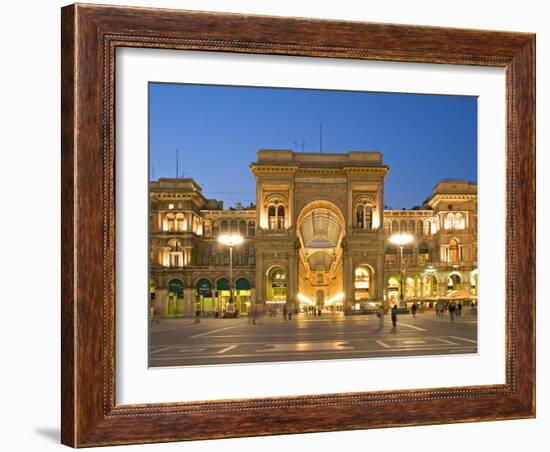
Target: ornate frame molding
(90,36)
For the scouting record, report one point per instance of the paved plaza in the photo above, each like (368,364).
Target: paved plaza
(179,342)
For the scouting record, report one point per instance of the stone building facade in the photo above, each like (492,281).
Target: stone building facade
(317,236)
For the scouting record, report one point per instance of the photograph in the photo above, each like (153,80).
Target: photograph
(291,224)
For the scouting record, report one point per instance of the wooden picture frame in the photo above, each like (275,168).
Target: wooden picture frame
(90,36)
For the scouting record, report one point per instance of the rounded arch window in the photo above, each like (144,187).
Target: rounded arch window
(251,228)
(276,213)
(363,214)
(459,222)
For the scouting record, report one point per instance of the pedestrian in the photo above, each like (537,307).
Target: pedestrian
(380,314)
(289,315)
(394,316)
(452,312)
(284,312)
(319,312)
(459,309)
(413,309)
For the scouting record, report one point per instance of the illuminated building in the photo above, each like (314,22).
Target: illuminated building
(318,235)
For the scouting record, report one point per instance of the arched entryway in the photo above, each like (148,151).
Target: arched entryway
(243,295)
(429,286)
(363,288)
(276,290)
(173,303)
(204,296)
(223,294)
(394,289)
(320,229)
(454,282)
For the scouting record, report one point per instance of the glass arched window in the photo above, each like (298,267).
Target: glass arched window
(394,227)
(427,227)
(234,227)
(215,229)
(170,222)
(272,217)
(281,217)
(224,226)
(242,228)
(360,217)
(251,228)
(453,251)
(423,253)
(276,212)
(449,221)
(403,226)
(459,222)
(387,227)
(363,215)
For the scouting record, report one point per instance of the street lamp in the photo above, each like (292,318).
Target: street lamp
(401,239)
(231,240)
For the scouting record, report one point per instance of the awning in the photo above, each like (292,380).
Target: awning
(204,287)
(222,284)
(243,284)
(176,286)
(458,295)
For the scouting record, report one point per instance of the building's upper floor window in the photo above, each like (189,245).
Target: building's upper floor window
(423,253)
(363,214)
(215,229)
(242,228)
(454,221)
(387,227)
(251,228)
(276,214)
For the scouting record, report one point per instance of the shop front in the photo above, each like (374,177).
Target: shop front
(173,303)
(204,296)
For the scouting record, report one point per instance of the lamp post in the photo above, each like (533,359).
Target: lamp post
(401,239)
(231,240)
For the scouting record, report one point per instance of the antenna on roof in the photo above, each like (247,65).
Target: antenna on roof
(177,162)
(295,146)
(303,144)
(321,138)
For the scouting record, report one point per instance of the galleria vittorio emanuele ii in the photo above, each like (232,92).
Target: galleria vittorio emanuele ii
(318,237)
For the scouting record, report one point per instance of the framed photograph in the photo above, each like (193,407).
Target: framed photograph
(282,225)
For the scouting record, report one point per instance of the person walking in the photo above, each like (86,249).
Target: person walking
(459,309)
(284,312)
(413,309)
(394,316)
(452,312)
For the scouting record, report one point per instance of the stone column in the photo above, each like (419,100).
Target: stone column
(189,302)
(380,279)
(259,298)
(160,296)
(348,280)
(292,287)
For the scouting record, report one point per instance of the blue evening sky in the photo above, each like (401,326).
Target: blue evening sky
(218,129)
